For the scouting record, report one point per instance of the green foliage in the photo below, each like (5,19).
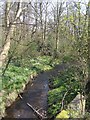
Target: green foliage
(14,78)
(41,63)
(71,39)
(54,99)
(14,82)
(68,58)
(67,82)
(74,113)
(54,62)
(37,62)
(87,116)
(56,93)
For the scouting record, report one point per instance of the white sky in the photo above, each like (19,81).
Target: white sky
(48,0)
(69,0)
(53,1)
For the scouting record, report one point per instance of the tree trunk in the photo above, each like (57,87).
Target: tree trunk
(45,23)
(41,22)
(6,47)
(59,12)
(88,63)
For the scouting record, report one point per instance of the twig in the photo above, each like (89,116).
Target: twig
(35,111)
(63,100)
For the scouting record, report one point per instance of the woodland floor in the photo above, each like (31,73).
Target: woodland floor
(36,95)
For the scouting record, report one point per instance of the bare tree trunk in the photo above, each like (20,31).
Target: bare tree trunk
(88,63)
(6,47)
(7,8)
(36,15)
(45,23)
(41,21)
(57,26)
(59,11)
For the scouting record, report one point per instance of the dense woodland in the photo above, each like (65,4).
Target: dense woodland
(35,37)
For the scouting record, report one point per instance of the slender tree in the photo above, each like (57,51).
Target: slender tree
(88,62)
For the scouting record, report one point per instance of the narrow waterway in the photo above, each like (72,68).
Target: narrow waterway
(36,95)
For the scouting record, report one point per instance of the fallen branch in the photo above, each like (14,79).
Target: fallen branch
(63,100)
(40,116)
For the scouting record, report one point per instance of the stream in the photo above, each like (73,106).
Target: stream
(35,94)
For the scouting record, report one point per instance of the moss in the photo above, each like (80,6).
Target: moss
(63,114)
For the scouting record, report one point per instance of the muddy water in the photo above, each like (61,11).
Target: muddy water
(34,94)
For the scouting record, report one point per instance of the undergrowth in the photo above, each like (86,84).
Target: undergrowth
(63,89)
(16,77)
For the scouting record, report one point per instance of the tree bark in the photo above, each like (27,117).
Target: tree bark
(45,24)
(6,47)
(59,12)
(88,63)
